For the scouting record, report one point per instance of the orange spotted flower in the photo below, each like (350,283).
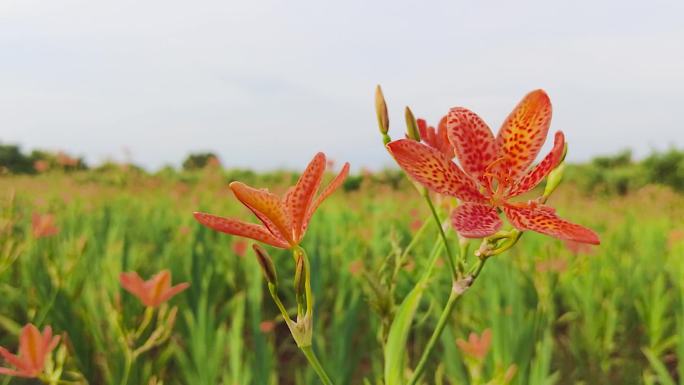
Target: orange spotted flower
(494,170)
(34,349)
(284,220)
(154,291)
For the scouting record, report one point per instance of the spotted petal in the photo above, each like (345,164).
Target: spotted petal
(434,170)
(539,172)
(241,229)
(472,139)
(473,220)
(267,207)
(298,199)
(543,219)
(334,185)
(436,139)
(523,133)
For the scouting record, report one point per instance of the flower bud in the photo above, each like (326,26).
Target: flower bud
(553,180)
(411,126)
(381,111)
(300,277)
(266,263)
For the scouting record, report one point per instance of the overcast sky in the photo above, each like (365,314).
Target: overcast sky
(268,83)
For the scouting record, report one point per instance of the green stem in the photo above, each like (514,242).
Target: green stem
(313,360)
(127,368)
(276,299)
(479,267)
(147,318)
(442,234)
(441,324)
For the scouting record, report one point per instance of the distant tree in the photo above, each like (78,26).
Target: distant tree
(13,161)
(200,160)
(666,168)
(622,158)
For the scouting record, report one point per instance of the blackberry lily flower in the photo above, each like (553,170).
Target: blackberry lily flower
(34,349)
(155,290)
(284,220)
(494,171)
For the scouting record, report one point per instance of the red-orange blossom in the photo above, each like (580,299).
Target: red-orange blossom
(494,170)
(284,220)
(34,350)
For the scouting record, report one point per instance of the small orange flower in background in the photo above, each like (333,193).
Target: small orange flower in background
(356,267)
(578,248)
(240,247)
(64,160)
(41,166)
(284,220)
(476,347)
(557,265)
(34,349)
(267,326)
(184,230)
(154,291)
(43,225)
(674,237)
(494,171)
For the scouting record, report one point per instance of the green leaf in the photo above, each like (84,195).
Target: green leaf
(398,335)
(660,369)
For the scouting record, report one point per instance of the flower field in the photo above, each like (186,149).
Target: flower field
(543,312)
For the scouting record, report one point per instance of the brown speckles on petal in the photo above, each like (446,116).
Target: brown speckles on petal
(543,219)
(298,200)
(473,220)
(472,139)
(242,229)
(434,170)
(524,132)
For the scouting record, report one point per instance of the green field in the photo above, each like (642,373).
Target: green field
(613,314)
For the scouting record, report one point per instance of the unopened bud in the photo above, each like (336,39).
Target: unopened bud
(411,126)
(266,263)
(553,180)
(381,111)
(299,277)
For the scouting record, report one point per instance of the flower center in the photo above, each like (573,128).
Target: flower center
(497,183)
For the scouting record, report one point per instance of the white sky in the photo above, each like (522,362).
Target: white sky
(268,83)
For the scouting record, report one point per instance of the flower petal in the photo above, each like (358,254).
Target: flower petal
(52,344)
(434,170)
(12,359)
(135,285)
(523,133)
(241,229)
(17,373)
(543,219)
(157,286)
(540,171)
(334,185)
(473,220)
(298,200)
(472,139)
(267,207)
(171,292)
(436,139)
(30,346)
